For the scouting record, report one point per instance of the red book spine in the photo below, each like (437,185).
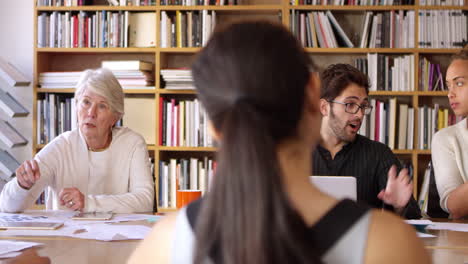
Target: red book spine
(86,33)
(161,103)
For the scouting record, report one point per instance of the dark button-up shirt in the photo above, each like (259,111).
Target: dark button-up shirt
(368,161)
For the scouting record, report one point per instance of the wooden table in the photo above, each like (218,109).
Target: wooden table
(448,246)
(82,251)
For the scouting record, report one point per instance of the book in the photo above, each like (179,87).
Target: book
(392,123)
(402,126)
(135,119)
(10,136)
(10,106)
(339,30)
(8,164)
(142,31)
(12,75)
(410,131)
(127,65)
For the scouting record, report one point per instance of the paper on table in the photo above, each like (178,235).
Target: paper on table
(424,235)
(8,246)
(37,216)
(107,232)
(419,222)
(449,226)
(63,231)
(99,231)
(440,225)
(115,219)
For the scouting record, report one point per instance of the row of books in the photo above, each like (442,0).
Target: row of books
(95,2)
(317,29)
(442,28)
(390,124)
(177,79)
(96,29)
(183,123)
(430,76)
(64,2)
(186,28)
(183,174)
(378,2)
(56,113)
(202,2)
(431,120)
(352,2)
(393,29)
(388,72)
(442,2)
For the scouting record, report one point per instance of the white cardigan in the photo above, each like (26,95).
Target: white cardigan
(450,159)
(126,185)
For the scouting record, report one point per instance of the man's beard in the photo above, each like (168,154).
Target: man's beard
(340,130)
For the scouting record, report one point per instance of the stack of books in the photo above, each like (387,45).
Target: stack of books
(132,74)
(59,80)
(177,79)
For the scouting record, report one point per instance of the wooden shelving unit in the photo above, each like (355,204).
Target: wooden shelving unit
(58,59)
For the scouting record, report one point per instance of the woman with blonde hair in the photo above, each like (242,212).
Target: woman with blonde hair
(97,167)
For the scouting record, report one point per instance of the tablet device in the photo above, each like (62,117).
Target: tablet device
(339,187)
(30,225)
(92,216)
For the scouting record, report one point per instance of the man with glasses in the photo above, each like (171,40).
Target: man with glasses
(343,152)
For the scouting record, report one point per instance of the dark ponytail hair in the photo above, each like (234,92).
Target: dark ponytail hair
(251,78)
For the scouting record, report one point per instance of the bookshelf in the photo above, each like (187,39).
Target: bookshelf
(351,18)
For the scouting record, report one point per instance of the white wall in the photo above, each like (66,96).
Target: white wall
(16,47)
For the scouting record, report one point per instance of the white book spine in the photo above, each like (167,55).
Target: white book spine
(196,129)
(168,124)
(163,30)
(173,190)
(165,186)
(52,30)
(193,174)
(410,131)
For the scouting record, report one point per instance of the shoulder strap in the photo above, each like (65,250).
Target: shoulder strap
(331,227)
(324,233)
(193,210)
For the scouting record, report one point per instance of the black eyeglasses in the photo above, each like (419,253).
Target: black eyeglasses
(353,108)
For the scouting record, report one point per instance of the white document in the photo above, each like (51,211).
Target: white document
(37,216)
(419,222)
(9,246)
(424,235)
(63,231)
(117,218)
(98,230)
(449,226)
(440,225)
(107,232)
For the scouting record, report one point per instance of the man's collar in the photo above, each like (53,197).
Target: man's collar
(345,146)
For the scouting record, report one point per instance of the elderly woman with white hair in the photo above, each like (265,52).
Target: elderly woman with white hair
(97,167)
